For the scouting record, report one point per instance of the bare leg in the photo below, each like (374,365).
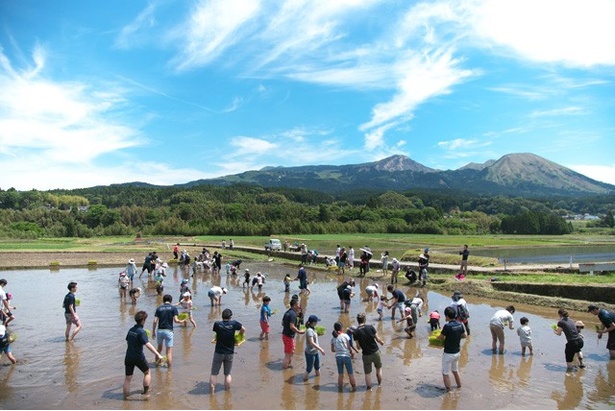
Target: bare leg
(457,378)
(126,387)
(447,381)
(212,383)
(227,382)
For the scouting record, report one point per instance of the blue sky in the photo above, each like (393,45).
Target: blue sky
(166,92)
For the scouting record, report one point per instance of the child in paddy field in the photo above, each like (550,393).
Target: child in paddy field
(5,344)
(525,336)
(287,281)
(381,305)
(186,304)
(580,326)
(410,324)
(434,320)
(340,345)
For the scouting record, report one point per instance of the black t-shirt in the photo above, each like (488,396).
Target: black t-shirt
(365,335)
(290,317)
(225,335)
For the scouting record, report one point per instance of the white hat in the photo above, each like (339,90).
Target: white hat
(224,290)
(165,265)
(186,294)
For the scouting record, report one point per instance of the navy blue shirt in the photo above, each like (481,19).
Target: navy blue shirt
(453,331)
(165,314)
(69,300)
(136,339)
(606,318)
(290,317)
(225,336)
(399,295)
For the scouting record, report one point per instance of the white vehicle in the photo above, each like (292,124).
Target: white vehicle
(273,245)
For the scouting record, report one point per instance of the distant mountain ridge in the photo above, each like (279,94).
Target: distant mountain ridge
(521,174)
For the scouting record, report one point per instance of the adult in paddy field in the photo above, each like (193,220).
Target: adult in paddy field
(136,339)
(165,316)
(225,348)
(289,330)
(399,299)
(368,339)
(303,282)
(452,333)
(607,318)
(70,312)
(500,319)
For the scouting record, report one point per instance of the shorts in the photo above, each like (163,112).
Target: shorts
(219,359)
(610,343)
(370,359)
(342,362)
(130,365)
(526,344)
(379,310)
(165,336)
(211,294)
(289,344)
(70,319)
(303,284)
(6,349)
(450,362)
(264,326)
(573,347)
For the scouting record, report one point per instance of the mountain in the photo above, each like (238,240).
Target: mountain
(524,175)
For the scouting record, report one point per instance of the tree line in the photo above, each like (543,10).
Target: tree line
(239,210)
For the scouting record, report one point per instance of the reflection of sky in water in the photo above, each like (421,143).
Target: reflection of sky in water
(550,255)
(88,373)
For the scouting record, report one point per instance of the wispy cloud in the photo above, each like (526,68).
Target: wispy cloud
(556,112)
(212,28)
(137,31)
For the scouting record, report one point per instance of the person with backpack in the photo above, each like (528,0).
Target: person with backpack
(461,308)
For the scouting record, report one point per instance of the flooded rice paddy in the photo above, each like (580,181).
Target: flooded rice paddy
(88,373)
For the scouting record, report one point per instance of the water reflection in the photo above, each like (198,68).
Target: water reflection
(72,356)
(411,367)
(572,393)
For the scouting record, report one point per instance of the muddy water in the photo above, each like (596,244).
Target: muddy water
(88,373)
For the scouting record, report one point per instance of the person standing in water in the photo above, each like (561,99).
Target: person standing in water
(574,341)
(451,333)
(136,339)
(70,312)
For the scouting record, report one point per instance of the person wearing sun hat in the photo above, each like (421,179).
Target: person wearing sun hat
(607,318)
(312,349)
(131,270)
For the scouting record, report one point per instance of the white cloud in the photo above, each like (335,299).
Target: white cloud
(251,145)
(212,28)
(47,126)
(138,30)
(420,77)
(604,173)
(576,33)
(556,112)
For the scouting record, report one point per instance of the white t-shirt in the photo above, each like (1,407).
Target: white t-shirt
(216,290)
(501,318)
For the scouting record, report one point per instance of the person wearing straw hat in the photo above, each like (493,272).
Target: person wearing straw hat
(131,270)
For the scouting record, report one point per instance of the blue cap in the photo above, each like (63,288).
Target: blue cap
(426,249)
(313,319)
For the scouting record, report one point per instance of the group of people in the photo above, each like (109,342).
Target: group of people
(342,342)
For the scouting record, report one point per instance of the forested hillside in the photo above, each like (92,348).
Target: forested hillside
(253,210)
